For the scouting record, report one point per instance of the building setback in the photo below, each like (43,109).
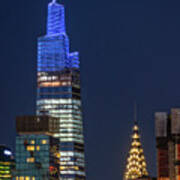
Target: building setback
(168,144)
(58,92)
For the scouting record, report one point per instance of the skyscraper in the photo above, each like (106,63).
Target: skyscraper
(136,163)
(58,92)
(161,122)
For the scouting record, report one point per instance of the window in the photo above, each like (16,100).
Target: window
(27,178)
(21,178)
(44,141)
(38,148)
(58,155)
(30,148)
(32,141)
(29,160)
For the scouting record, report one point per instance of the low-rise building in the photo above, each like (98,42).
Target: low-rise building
(6,163)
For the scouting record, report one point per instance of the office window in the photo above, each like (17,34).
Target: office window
(30,160)
(21,178)
(44,141)
(38,148)
(27,178)
(32,141)
(30,148)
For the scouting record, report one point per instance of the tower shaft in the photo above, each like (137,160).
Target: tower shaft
(58,92)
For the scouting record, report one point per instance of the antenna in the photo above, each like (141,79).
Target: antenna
(135,113)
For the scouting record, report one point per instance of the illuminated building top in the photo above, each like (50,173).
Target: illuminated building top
(53,48)
(136,164)
(56,19)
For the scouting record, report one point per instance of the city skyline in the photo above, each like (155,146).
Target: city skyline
(133,47)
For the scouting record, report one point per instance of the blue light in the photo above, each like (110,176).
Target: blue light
(53,49)
(56,22)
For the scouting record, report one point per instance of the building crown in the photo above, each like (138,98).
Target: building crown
(136,164)
(56,19)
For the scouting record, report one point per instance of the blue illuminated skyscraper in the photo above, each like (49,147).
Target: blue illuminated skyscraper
(58,92)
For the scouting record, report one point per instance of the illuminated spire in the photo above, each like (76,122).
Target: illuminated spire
(136,164)
(56,19)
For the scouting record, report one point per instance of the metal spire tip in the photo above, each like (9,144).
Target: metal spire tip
(135,113)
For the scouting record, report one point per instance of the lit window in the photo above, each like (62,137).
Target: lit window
(76,167)
(62,167)
(58,155)
(30,160)
(27,178)
(44,141)
(6,176)
(6,163)
(37,148)
(21,178)
(30,148)
(32,141)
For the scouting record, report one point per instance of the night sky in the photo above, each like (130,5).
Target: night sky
(129,49)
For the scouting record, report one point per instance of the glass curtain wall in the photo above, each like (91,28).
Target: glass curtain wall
(58,92)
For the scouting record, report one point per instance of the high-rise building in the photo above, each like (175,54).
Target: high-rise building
(174,145)
(6,163)
(168,144)
(58,92)
(161,121)
(136,163)
(37,151)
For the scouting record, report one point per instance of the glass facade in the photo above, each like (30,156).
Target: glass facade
(58,92)
(6,163)
(37,157)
